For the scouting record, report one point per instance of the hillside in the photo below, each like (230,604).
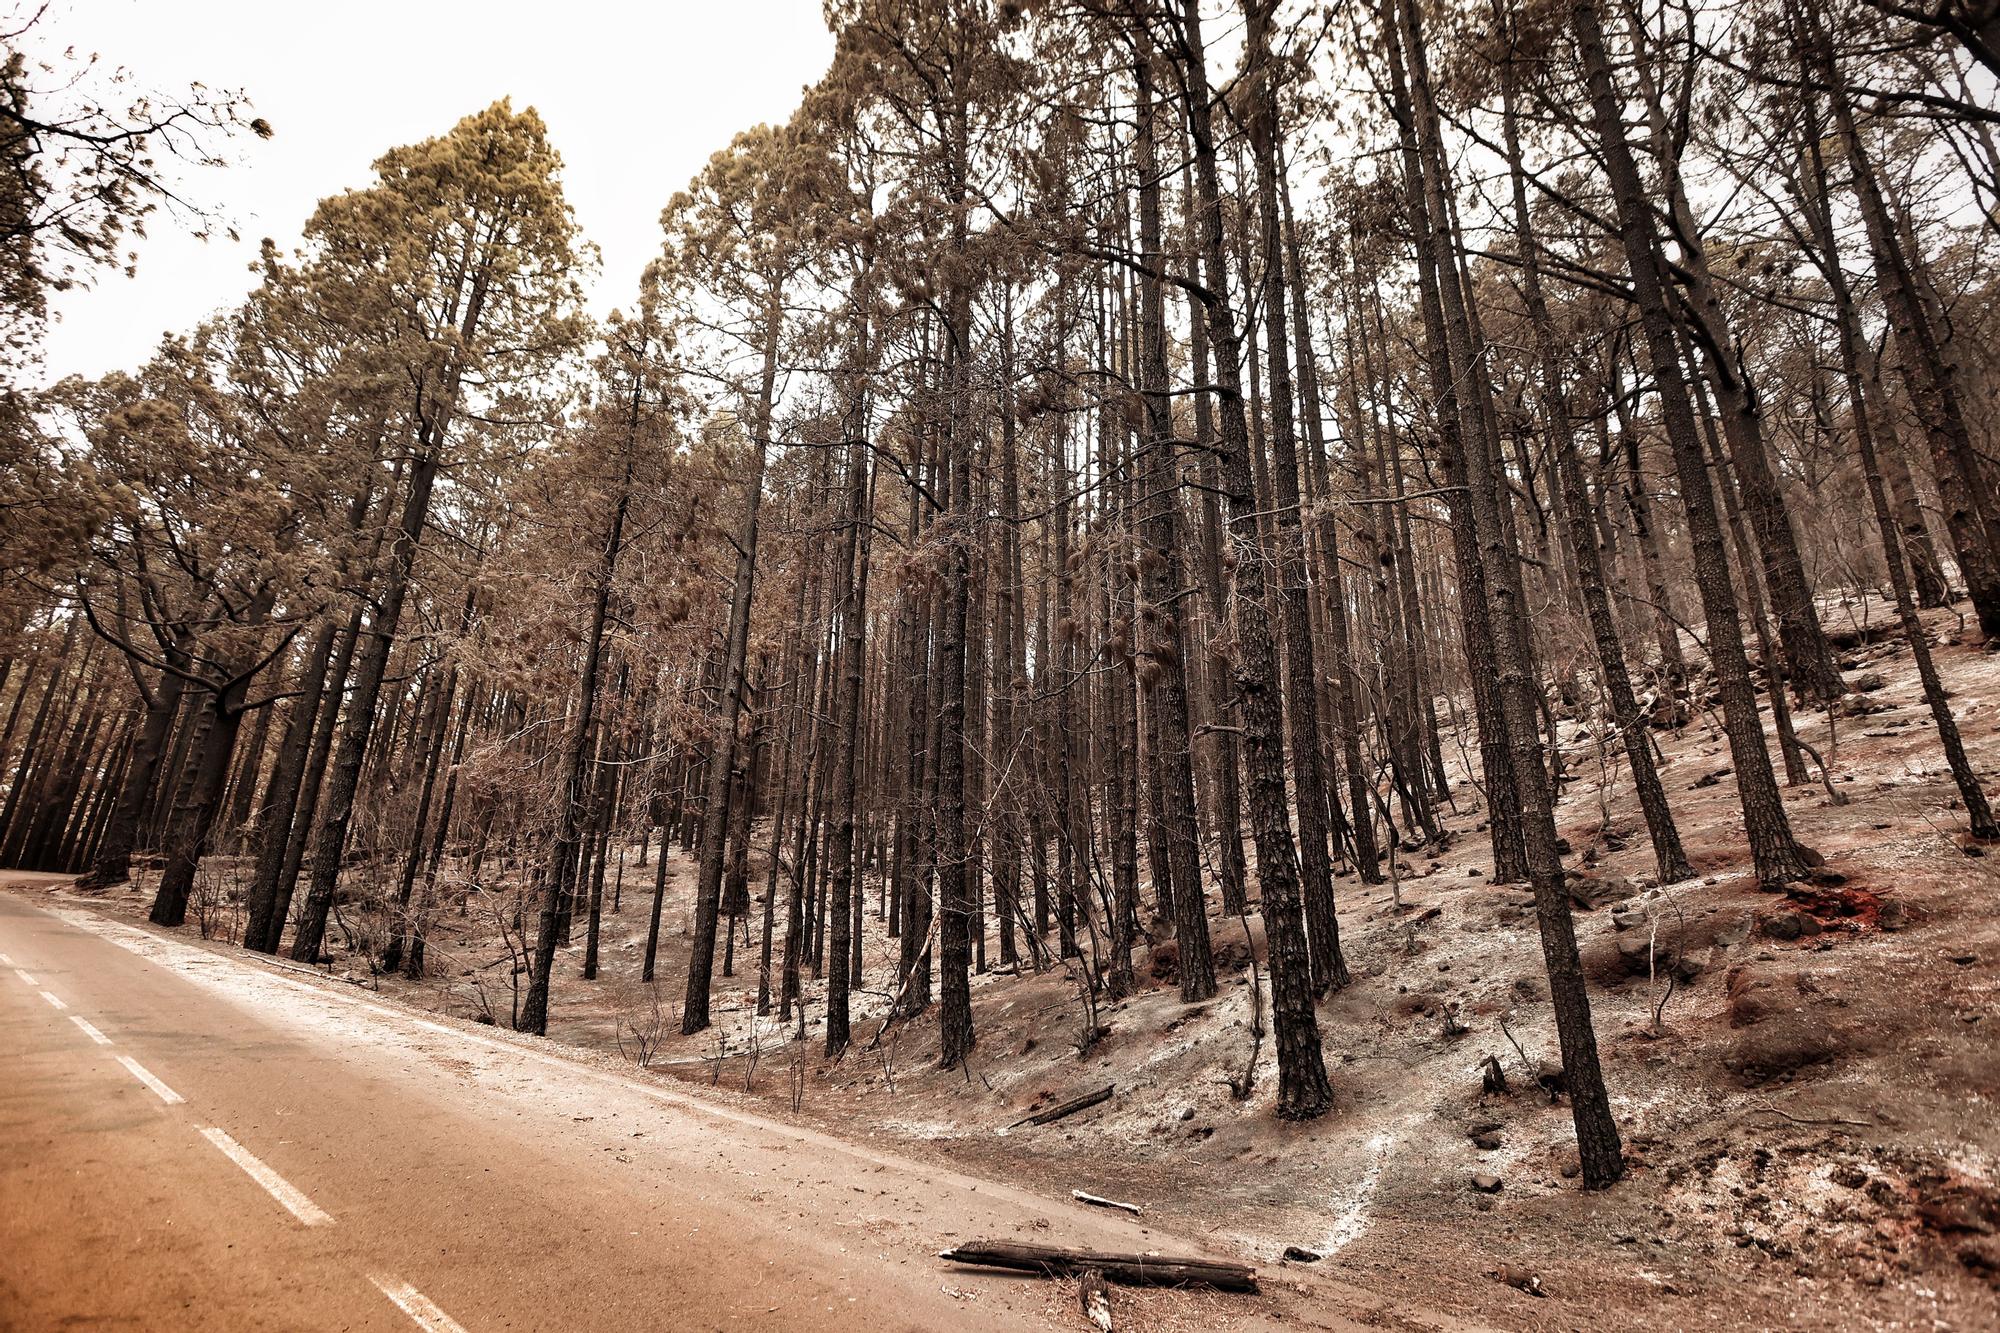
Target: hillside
(1804,1080)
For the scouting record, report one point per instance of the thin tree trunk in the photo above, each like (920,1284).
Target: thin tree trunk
(721,760)
(1303,1089)
(1775,852)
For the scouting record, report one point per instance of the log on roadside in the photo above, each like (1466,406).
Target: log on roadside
(1136,1270)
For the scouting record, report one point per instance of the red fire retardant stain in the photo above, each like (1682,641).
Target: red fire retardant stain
(1842,908)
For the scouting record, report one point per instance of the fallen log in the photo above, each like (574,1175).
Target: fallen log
(1860,635)
(1083,1103)
(1135,1270)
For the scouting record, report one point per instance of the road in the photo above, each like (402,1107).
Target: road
(193,1139)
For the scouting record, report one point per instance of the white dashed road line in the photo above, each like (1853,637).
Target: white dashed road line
(145,1076)
(275,1185)
(425,1313)
(421,1309)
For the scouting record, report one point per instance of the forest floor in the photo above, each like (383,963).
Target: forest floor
(1808,1105)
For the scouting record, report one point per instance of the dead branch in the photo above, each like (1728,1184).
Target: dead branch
(1069,1108)
(1098,1201)
(1141,1270)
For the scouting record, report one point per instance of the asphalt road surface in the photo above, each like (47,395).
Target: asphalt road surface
(190,1139)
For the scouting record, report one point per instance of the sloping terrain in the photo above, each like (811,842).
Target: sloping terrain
(1805,1080)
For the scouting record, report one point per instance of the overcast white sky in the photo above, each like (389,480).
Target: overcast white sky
(636,97)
